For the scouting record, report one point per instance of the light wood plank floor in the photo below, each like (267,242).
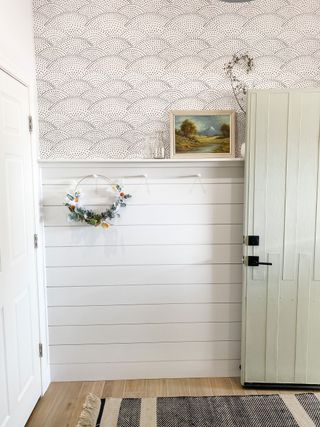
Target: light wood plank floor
(62,403)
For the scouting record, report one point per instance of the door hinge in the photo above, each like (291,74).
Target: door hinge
(30,121)
(35,241)
(40,350)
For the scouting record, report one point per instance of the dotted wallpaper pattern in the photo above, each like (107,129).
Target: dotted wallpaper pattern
(109,71)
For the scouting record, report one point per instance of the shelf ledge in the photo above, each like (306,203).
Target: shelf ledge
(151,161)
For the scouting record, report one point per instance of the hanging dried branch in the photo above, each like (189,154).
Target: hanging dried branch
(239,88)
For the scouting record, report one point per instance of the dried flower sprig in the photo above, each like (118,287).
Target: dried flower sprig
(239,88)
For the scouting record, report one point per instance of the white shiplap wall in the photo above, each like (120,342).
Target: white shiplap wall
(158,294)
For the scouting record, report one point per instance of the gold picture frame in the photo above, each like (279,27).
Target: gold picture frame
(202,134)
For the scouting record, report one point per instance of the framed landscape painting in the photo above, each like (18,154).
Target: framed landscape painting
(202,134)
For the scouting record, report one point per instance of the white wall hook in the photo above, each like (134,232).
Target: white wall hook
(198,177)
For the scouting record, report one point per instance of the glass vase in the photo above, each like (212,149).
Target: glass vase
(158,146)
(147,150)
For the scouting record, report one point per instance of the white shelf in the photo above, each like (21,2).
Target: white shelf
(151,161)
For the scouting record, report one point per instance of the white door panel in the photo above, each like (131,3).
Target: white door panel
(14,181)
(19,336)
(281,309)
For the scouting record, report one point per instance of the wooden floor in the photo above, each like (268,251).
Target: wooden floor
(62,403)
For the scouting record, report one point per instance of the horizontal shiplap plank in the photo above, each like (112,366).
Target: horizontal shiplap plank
(156,294)
(167,332)
(139,352)
(144,235)
(137,180)
(183,214)
(144,274)
(160,194)
(129,370)
(129,314)
(143,255)
(65,174)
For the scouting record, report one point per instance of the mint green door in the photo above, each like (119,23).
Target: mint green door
(281,302)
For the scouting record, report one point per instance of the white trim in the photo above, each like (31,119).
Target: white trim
(39,256)
(45,162)
(284,90)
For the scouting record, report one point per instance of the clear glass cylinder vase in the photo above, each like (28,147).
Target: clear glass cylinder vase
(147,149)
(158,146)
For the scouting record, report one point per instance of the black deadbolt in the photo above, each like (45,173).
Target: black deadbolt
(253,240)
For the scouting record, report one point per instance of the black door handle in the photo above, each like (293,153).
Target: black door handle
(254,261)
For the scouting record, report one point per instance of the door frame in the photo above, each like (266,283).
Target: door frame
(245,233)
(38,229)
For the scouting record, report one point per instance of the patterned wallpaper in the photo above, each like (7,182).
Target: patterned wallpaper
(109,71)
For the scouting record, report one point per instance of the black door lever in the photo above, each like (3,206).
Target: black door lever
(254,261)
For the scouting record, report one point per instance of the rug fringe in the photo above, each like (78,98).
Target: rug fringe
(90,412)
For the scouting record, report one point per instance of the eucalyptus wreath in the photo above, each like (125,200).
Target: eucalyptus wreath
(239,88)
(79,213)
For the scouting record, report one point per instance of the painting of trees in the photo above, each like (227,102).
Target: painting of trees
(188,128)
(225,130)
(206,133)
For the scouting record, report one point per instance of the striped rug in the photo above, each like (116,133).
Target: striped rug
(284,410)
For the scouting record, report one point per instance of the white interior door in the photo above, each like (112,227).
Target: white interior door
(20,382)
(281,310)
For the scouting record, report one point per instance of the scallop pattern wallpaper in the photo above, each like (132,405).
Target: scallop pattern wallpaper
(109,71)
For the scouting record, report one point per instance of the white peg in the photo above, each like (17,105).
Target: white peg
(199,176)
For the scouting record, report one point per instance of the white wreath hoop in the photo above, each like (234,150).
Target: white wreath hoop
(79,213)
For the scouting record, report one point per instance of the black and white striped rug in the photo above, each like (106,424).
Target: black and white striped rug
(284,410)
